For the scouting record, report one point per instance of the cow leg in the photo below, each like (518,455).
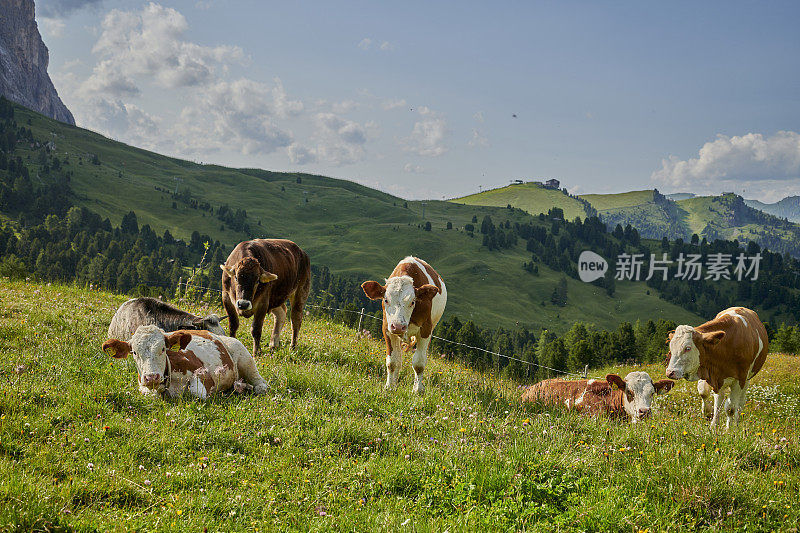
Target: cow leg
(280,319)
(233,317)
(394,360)
(257,327)
(418,361)
(248,371)
(706,399)
(734,404)
(298,301)
(719,401)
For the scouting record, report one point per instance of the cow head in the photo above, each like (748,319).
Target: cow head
(209,323)
(400,298)
(638,390)
(246,276)
(149,346)
(685,344)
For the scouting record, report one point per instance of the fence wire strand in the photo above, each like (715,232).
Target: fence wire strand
(441,339)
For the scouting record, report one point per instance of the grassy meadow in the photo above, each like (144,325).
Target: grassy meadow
(329,449)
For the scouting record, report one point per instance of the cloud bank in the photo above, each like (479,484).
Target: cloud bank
(747,160)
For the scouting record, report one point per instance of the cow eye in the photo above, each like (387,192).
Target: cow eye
(687,349)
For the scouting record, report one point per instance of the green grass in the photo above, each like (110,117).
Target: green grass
(603,202)
(328,440)
(346,226)
(529,197)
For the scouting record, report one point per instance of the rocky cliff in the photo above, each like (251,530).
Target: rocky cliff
(23,62)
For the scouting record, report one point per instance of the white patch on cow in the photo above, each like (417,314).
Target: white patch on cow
(734,314)
(580,399)
(399,301)
(440,300)
(566,402)
(684,360)
(591,381)
(150,356)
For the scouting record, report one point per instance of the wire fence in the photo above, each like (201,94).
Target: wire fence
(186,285)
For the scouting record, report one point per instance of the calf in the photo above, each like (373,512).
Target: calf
(413,301)
(258,277)
(724,353)
(615,397)
(145,311)
(170,363)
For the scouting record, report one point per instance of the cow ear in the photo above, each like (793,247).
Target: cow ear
(664,385)
(117,348)
(669,336)
(615,380)
(713,338)
(426,292)
(373,290)
(177,341)
(228,270)
(266,277)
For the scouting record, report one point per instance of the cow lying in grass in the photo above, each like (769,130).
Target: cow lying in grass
(144,311)
(168,364)
(615,397)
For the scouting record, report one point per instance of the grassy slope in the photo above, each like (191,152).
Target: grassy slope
(346,226)
(328,439)
(529,197)
(603,202)
(703,211)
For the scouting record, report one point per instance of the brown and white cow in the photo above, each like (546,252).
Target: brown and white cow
(413,301)
(168,364)
(616,397)
(258,277)
(725,353)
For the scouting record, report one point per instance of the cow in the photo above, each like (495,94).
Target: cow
(413,301)
(143,311)
(723,353)
(168,364)
(258,277)
(615,397)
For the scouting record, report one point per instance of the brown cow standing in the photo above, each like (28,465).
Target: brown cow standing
(614,396)
(258,277)
(722,353)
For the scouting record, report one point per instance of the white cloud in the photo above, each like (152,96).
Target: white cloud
(233,115)
(738,160)
(478,139)
(412,169)
(300,155)
(478,116)
(150,43)
(52,27)
(428,135)
(368,44)
(284,107)
(391,103)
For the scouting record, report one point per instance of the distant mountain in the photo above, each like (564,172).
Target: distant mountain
(677,196)
(23,62)
(788,208)
(532,197)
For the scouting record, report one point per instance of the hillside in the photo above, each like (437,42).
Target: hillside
(655,215)
(347,227)
(788,208)
(530,197)
(327,448)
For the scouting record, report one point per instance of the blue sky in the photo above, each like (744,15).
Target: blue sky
(419,98)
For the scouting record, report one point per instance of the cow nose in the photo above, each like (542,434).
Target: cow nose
(673,374)
(397,329)
(151,380)
(243,304)
(644,412)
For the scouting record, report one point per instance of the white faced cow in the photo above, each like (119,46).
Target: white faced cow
(198,361)
(722,353)
(413,301)
(631,397)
